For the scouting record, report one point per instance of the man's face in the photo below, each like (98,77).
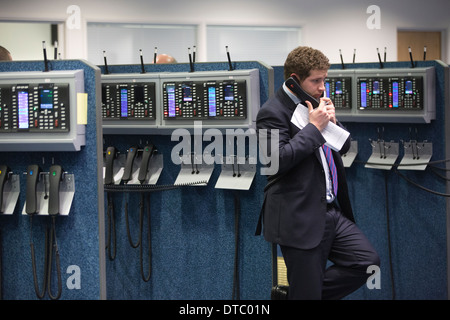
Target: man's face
(314,84)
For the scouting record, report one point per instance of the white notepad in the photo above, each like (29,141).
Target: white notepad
(334,135)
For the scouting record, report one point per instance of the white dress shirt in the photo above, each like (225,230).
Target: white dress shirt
(329,187)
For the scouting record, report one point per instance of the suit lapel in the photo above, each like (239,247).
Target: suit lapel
(289,104)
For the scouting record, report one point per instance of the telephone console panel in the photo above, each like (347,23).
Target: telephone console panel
(338,87)
(219,99)
(129,102)
(205,100)
(35,108)
(396,93)
(38,111)
(153,102)
(387,95)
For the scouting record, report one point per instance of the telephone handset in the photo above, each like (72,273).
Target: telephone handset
(55,178)
(109,162)
(295,87)
(33,172)
(146,155)
(127,172)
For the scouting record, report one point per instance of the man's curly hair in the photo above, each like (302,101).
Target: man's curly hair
(302,60)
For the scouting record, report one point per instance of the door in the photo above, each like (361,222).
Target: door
(417,40)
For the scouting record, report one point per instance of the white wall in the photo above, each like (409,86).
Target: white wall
(29,44)
(328,25)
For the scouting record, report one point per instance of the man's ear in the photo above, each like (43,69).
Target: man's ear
(296,77)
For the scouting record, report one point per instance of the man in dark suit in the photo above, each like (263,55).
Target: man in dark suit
(303,213)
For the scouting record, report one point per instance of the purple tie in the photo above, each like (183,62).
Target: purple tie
(332,166)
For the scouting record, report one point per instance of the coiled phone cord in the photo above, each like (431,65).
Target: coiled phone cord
(57,261)
(388,229)
(39,294)
(142,188)
(237,211)
(148,187)
(149,241)
(139,242)
(49,245)
(111,229)
(1,268)
(141,209)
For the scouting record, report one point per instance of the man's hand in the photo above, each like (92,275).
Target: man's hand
(324,113)
(330,109)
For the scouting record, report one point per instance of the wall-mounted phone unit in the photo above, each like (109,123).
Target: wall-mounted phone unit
(139,165)
(39,111)
(129,103)
(397,95)
(48,193)
(220,99)
(338,87)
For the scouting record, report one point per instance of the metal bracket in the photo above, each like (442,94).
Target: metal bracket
(193,169)
(417,155)
(384,155)
(350,156)
(11,191)
(237,173)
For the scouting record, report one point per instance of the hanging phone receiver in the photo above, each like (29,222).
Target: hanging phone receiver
(109,162)
(33,172)
(146,156)
(55,177)
(4,171)
(131,155)
(295,87)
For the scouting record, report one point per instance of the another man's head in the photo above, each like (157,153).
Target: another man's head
(5,55)
(165,58)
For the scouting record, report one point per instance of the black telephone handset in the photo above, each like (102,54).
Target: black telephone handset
(4,171)
(146,155)
(295,87)
(55,177)
(109,162)
(33,172)
(127,172)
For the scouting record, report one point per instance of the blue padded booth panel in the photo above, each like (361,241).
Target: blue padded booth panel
(382,199)
(192,236)
(77,233)
(192,228)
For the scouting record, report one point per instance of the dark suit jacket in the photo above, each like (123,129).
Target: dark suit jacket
(295,205)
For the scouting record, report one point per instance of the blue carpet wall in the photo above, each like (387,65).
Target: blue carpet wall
(192,229)
(417,219)
(78,233)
